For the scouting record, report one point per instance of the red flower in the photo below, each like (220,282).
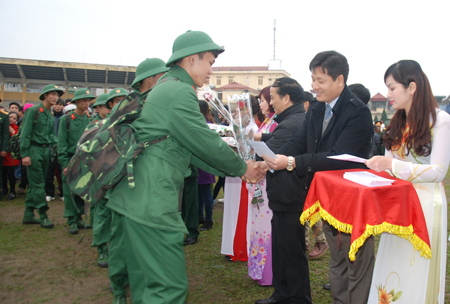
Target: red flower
(73,116)
(41,110)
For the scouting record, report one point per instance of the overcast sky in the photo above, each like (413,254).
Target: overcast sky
(371,34)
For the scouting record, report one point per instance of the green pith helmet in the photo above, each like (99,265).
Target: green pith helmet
(192,42)
(117,92)
(83,93)
(50,88)
(101,100)
(147,68)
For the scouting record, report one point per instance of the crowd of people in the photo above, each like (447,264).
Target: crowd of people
(140,231)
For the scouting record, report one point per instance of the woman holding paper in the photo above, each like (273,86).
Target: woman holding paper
(417,150)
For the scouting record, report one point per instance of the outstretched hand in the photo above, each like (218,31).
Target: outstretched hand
(379,163)
(278,163)
(255,173)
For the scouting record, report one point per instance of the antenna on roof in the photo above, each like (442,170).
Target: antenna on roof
(274,30)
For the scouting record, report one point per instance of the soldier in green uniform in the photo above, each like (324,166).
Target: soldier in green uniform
(147,74)
(115,96)
(101,218)
(100,107)
(4,141)
(71,127)
(37,136)
(152,224)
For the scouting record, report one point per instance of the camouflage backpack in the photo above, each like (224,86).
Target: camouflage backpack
(106,151)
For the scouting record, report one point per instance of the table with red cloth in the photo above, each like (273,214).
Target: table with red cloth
(363,211)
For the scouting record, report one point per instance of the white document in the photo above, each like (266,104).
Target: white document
(261,148)
(367,179)
(348,157)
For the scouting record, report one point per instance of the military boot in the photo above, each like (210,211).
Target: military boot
(102,257)
(30,219)
(82,225)
(120,299)
(46,223)
(73,228)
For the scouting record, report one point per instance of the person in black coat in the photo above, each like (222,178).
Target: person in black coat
(286,193)
(338,124)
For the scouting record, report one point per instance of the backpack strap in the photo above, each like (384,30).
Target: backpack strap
(68,121)
(130,167)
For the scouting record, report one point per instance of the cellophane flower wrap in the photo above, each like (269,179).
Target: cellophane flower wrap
(243,129)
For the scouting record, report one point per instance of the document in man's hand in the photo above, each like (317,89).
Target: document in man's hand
(261,148)
(367,179)
(348,157)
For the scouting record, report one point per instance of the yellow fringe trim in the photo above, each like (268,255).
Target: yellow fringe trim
(316,212)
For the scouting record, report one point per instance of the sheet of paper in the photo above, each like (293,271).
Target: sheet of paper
(348,157)
(367,179)
(261,148)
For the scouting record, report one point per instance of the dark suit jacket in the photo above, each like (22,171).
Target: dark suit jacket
(283,187)
(349,131)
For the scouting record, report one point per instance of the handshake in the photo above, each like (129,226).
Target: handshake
(255,171)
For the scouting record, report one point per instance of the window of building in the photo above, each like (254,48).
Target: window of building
(260,80)
(219,81)
(230,79)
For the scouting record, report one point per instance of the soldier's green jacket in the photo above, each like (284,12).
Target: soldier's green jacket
(171,109)
(4,131)
(67,141)
(42,132)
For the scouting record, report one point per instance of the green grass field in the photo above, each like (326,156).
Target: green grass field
(50,266)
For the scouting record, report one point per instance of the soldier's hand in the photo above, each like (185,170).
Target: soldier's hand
(254,173)
(3,153)
(65,171)
(26,161)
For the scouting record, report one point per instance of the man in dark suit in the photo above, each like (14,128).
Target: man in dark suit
(339,123)
(286,193)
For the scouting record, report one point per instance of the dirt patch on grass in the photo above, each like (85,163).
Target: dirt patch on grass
(40,265)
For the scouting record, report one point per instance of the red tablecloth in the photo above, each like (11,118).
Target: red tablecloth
(364,211)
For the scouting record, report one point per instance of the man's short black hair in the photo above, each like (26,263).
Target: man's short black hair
(332,63)
(61,101)
(288,86)
(308,96)
(360,91)
(14,103)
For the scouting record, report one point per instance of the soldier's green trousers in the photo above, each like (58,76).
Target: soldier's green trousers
(101,229)
(37,173)
(73,204)
(117,258)
(156,264)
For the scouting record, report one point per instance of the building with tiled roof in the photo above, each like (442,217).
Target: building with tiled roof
(252,77)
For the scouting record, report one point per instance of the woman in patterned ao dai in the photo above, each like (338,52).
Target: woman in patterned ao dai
(417,150)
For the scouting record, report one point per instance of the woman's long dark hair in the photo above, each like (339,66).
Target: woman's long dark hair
(256,110)
(423,107)
(204,109)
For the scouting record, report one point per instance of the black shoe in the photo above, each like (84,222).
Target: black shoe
(11,196)
(189,241)
(270,300)
(206,225)
(326,286)
(200,221)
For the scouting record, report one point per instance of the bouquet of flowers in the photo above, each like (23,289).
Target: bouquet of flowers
(216,104)
(243,130)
